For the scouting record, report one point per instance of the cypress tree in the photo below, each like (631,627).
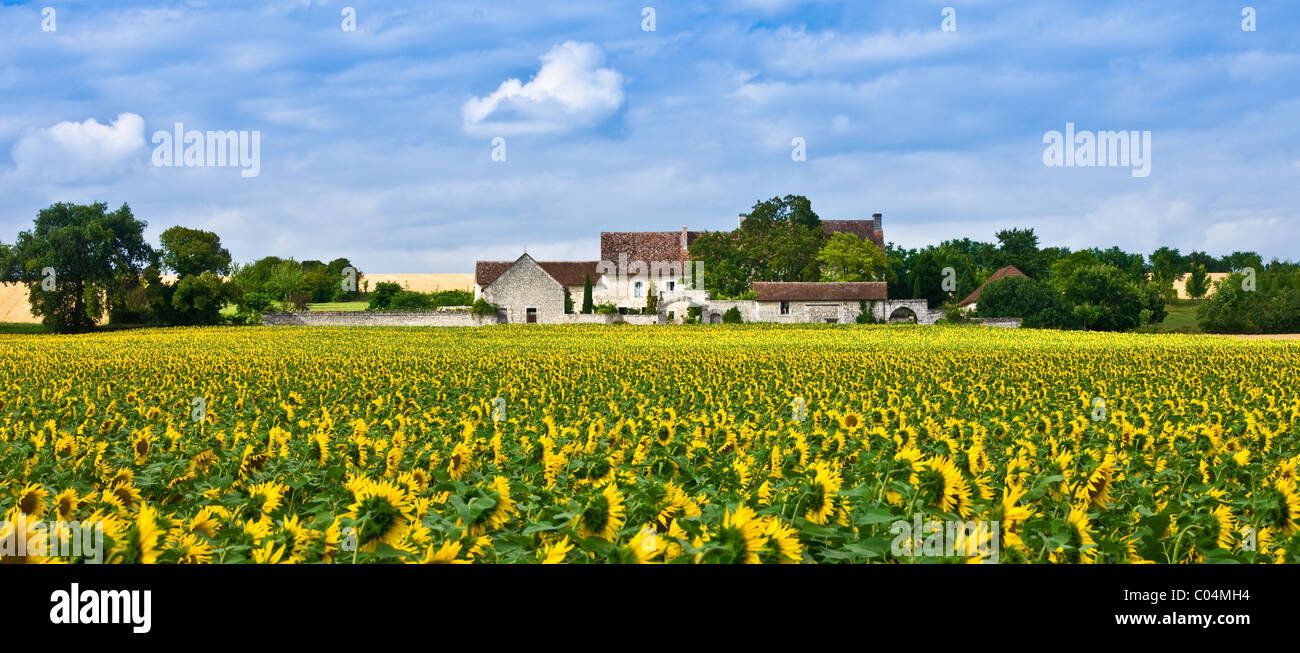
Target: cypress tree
(587,304)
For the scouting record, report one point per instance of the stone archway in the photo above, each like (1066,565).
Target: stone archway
(902,314)
(715,318)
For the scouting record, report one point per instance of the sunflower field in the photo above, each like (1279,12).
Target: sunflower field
(705,444)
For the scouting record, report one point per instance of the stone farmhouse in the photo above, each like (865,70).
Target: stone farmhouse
(633,265)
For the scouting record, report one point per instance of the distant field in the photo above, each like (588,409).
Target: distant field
(338,306)
(1181,318)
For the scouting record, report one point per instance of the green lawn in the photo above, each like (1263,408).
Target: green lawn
(338,306)
(19,327)
(1181,318)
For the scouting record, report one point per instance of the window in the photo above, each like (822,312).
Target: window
(637,290)
(831,320)
(671,285)
(532,316)
(785,308)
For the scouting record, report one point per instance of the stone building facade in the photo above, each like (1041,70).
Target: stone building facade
(527,293)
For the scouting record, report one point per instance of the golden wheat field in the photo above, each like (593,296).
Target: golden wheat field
(774,444)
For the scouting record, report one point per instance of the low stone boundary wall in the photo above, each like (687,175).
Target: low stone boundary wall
(1005,322)
(376,318)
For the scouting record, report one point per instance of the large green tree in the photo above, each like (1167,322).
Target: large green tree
(777,241)
(86,254)
(191,252)
(1109,300)
(849,258)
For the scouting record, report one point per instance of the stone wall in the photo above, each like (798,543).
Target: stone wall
(376,318)
(1005,322)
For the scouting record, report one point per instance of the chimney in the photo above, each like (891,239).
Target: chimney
(740,219)
(875,218)
(683,240)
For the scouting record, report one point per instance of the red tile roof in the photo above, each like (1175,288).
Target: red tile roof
(767,291)
(864,229)
(568,273)
(1002,273)
(647,246)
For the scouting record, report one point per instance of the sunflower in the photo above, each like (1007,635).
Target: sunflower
(780,542)
(147,534)
(851,422)
(1226,526)
(1080,539)
(31,500)
(380,512)
(944,480)
(444,555)
(264,498)
(458,464)
(205,522)
(191,550)
(1096,490)
(503,506)
(826,482)
(1287,515)
(66,503)
(554,553)
(603,515)
(123,494)
(140,445)
(740,538)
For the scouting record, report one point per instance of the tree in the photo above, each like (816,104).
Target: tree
(1036,302)
(651,300)
(191,252)
(1196,287)
(1167,264)
(1242,260)
(1064,269)
(286,279)
(86,253)
(732,316)
(777,241)
(1105,299)
(587,304)
(849,258)
(568,301)
(1019,247)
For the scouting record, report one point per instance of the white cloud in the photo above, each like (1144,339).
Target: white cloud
(79,151)
(570,90)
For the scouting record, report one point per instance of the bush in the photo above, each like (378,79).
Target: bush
(257,302)
(382,298)
(732,316)
(954,314)
(409,300)
(482,308)
(865,314)
(606,309)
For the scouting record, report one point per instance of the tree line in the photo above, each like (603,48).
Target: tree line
(781,239)
(83,263)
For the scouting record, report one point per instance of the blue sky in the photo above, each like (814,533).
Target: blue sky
(377,144)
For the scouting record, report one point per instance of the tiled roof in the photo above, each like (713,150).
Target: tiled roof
(568,273)
(768,291)
(864,229)
(647,246)
(1002,273)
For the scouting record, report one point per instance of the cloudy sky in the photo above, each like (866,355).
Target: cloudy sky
(378,143)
